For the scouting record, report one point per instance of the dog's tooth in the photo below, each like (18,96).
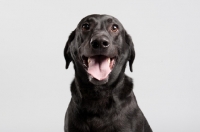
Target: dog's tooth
(89,60)
(108,60)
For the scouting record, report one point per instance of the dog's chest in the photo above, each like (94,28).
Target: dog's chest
(114,123)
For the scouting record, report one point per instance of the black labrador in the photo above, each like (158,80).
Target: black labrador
(102,95)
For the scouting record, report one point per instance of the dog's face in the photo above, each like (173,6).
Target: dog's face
(99,48)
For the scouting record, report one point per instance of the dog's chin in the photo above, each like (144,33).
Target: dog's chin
(96,81)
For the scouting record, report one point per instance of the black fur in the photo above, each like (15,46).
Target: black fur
(107,105)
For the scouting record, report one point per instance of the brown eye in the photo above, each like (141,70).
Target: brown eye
(85,27)
(114,28)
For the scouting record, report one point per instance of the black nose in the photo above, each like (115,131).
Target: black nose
(100,42)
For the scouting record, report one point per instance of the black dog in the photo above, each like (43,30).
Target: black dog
(102,95)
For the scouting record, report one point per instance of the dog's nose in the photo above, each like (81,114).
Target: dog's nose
(100,42)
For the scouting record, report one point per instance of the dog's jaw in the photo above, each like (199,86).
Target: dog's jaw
(97,82)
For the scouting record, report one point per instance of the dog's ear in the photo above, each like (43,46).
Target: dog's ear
(67,54)
(131,50)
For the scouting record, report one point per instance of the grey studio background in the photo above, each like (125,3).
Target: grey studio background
(35,87)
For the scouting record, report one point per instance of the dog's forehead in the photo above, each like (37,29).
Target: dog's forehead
(100,19)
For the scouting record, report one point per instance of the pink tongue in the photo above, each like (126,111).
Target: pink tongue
(98,67)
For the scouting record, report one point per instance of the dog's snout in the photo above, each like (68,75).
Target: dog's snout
(99,42)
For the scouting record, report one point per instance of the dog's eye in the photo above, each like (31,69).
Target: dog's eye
(85,27)
(114,28)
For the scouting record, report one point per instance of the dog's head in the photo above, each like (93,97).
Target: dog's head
(99,48)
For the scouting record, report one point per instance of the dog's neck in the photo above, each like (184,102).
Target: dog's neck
(101,97)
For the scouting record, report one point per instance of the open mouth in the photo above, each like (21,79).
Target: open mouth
(99,66)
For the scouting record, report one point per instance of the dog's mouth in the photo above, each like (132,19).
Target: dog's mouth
(99,66)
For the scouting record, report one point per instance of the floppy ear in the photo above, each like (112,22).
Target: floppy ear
(67,54)
(131,50)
